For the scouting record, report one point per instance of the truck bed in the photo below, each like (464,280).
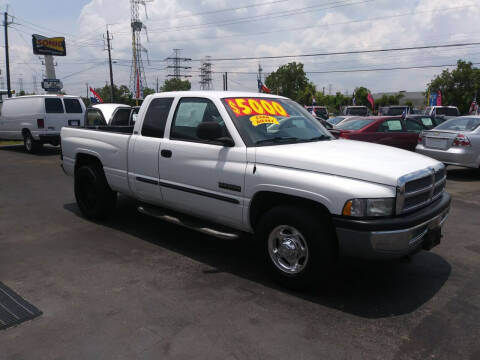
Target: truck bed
(117,129)
(110,146)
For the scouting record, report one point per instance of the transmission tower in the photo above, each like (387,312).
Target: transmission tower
(259,74)
(206,74)
(138,80)
(20,82)
(176,64)
(35,87)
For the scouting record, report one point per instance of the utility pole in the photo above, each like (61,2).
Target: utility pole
(157,84)
(225,81)
(110,64)
(88,90)
(7,59)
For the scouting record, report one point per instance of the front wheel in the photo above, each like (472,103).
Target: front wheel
(300,245)
(93,194)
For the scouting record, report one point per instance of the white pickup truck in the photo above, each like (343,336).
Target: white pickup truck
(227,163)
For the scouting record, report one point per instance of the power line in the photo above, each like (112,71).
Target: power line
(269,16)
(347,52)
(369,20)
(221,10)
(384,69)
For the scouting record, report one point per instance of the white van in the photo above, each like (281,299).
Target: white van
(38,119)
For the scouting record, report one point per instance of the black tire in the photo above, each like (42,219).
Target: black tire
(31,145)
(315,230)
(93,194)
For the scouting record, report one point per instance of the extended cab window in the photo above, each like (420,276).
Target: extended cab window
(53,106)
(94,117)
(121,117)
(72,106)
(191,112)
(156,117)
(390,126)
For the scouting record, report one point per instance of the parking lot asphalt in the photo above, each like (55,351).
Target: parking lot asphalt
(137,288)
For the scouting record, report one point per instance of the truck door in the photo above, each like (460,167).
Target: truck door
(197,176)
(143,167)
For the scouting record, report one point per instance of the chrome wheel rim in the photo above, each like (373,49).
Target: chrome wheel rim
(28,143)
(288,249)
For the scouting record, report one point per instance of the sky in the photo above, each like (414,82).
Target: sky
(244,28)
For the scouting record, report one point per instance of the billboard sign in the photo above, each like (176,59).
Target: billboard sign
(48,46)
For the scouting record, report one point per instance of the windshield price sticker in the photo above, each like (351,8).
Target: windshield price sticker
(249,106)
(263,119)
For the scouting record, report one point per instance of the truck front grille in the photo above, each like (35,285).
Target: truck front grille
(419,189)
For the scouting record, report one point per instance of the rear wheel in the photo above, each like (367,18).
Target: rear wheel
(93,194)
(300,245)
(31,145)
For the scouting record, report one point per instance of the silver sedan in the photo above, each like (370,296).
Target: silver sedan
(454,142)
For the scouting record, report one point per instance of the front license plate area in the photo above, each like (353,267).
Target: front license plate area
(432,238)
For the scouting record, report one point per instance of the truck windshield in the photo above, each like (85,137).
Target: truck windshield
(273,121)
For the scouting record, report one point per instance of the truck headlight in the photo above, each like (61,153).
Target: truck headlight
(369,207)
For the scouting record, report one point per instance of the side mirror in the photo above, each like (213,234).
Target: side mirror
(212,131)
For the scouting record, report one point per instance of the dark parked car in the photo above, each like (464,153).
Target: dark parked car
(393,131)
(397,110)
(428,121)
(320,111)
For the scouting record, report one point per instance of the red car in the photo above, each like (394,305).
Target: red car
(386,130)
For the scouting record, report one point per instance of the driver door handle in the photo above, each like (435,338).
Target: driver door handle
(166,153)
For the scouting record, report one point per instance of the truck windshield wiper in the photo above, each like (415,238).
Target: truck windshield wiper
(317,138)
(276,139)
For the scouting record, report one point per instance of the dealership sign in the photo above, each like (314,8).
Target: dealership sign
(48,46)
(52,85)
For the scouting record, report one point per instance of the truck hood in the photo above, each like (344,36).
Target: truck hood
(347,158)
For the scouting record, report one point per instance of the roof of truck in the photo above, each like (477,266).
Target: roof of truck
(216,94)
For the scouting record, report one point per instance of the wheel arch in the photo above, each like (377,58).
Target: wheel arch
(82,159)
(263,201)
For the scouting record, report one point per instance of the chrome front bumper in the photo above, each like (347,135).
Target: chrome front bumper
(392,243)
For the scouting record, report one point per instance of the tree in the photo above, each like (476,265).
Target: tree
(361,96)
(289,80)
(306,95)
(459,86)
(386,100)
(122,94)
(175,84)
(148,91)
